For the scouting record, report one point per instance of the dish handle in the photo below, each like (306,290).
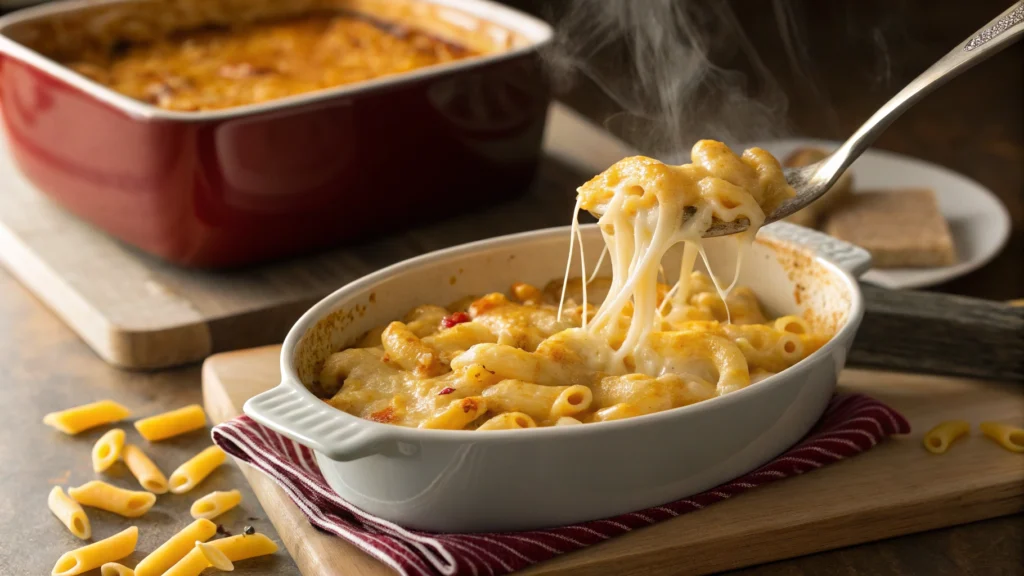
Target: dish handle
(851,259)
(313,423)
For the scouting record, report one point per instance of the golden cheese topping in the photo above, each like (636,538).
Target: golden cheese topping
(592,349)
(221,68)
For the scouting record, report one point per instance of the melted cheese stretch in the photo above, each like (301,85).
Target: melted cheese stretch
(646,207)
(532,358)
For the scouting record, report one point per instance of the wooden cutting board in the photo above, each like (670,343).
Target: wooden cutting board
(896,488)
(138,312)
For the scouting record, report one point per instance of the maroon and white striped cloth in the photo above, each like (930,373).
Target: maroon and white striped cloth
(850,425)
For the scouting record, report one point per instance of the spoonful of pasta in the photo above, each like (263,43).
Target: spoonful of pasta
(812,181)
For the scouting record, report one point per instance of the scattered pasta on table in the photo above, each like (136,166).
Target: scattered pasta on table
(196,469)
(127,503)
(942,436)
(187,552)
(1008,436)
(107,450)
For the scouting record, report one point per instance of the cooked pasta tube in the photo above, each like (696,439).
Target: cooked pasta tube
(617,412)
(792,324)
(175,548)
(682,352)
(215,557)
(236,548)
(567,421)
(144,470)
(107,449)
(70,513)
(572,401)
(1009,437)
(939,438)
(337,366)
(790,348)
(408,351)
(764,347)
(215,503)
(97,554)
(127,503)
(453,341)
(510,362)
(517,396)
(115,569)
(508,421)
(458,414)
(192,472)
(173,423)
(79,418)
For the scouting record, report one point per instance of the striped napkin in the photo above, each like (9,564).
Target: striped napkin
(851,424)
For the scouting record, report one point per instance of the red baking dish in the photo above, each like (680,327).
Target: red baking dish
(240,185)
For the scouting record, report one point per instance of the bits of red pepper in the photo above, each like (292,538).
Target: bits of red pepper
(447,390)
(454,319)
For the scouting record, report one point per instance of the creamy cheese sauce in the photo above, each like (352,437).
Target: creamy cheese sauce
(591,349)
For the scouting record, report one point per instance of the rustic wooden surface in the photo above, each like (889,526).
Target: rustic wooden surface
(930,332)
(895,488)
(138,312)
(974,125)
(44,366)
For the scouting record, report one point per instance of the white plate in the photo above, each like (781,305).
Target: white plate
(977,218)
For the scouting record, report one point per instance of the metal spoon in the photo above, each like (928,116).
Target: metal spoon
(812,181)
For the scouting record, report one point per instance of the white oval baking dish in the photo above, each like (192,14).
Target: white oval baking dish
(459,481)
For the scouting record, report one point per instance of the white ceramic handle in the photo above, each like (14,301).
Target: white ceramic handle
(852,259)
(313,423)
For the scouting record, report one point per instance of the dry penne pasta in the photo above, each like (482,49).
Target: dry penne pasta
(196,469)
(175,548)
(215,503)
(215,557)
(173,423)
(70,513)
(236,548)
(115,569)
(245,546)
(97,554)
(1009,437)
(144,470)
(939,438)
(127,503)
(107,449)
(79,418)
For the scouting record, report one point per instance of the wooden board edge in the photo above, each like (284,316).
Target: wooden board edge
(303,541)
(1003,495)
(122,348)
(743,550)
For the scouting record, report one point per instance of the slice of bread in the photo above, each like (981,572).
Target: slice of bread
(812,216)
(901,228)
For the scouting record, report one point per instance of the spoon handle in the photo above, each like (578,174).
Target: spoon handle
(993,37)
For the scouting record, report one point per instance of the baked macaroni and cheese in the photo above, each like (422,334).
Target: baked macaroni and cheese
(587,350)
(247,63)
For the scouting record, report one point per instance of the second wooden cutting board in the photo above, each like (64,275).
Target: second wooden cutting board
(895,488)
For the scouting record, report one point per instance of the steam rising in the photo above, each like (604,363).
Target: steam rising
(654,58)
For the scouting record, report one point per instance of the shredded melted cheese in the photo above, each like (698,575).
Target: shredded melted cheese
(646,207)
(591,348)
